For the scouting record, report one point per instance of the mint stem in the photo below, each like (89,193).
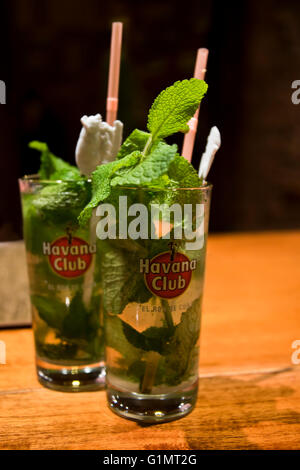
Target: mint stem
(150,372)
(153,357)
(167,313)
(147,147)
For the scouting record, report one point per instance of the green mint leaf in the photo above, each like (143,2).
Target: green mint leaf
(162,182)
(70,322)
(179,352)
(152,339)
(124,166)
(135,141)
(174,107)
(101,181)
(52,167)
(150,169)
(121,281)
(52,312)
(60,203)
(32,218)
(56,352)
(182,174)
(100,190)
(76,322)
(116,339)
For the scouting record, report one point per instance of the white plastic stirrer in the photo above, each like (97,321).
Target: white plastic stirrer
(212,146)
(99,141)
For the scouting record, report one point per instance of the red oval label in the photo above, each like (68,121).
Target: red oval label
(166,277)
(69,259)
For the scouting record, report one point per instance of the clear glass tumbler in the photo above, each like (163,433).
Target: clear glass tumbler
(64,282)
(153,246)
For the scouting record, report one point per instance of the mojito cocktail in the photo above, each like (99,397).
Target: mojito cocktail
(152,304)
(151,212)
(64,280)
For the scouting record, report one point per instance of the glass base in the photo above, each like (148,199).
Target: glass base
(151,409)
(78,378)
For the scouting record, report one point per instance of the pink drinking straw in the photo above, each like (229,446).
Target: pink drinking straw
(189,138)
(114,73)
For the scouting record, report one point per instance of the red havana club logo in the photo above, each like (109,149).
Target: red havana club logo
(69,257)
(168,275)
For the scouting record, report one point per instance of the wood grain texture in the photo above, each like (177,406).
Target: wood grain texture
(15,307)
(249,395)
(251,311)
(240,412)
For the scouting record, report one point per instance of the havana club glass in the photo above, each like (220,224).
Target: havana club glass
(64,284)
(153,246)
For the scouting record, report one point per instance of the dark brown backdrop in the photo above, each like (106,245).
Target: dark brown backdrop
(54,60)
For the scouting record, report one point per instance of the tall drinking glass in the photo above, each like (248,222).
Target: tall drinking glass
(153,246)
(64,284)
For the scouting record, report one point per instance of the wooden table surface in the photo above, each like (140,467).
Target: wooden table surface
(249,394)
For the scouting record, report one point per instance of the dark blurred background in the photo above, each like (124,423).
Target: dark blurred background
(54,61)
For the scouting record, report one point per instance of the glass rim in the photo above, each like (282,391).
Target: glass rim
(35,178)
(206,186)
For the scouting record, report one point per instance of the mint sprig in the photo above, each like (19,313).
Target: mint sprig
(182,174)
(52,167)
(101,182)
(144,159)
(135,141)
(150,169)
(174,107)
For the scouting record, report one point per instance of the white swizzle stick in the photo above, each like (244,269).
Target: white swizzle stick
(212,146)
(98,143)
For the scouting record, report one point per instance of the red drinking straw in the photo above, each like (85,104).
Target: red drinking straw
(189,138)
(114,73)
